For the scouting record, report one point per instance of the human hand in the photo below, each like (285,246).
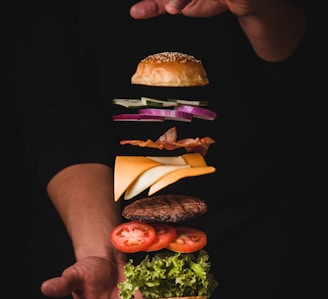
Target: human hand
(90,278)
(195,8)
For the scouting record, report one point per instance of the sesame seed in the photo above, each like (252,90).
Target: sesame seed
(171,57)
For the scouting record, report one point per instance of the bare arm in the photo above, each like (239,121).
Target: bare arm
(83,196)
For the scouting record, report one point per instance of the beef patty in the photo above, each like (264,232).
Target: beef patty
(165,209)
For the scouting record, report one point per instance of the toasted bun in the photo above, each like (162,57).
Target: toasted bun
(171,69)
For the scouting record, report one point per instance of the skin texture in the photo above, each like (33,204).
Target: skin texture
(99,266)
(83,194)
(274,28)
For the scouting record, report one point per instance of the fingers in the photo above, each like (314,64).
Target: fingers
(153,8)
(147,9)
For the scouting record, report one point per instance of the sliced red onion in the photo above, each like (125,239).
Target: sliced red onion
(136,117)
(171,114)
(197,112)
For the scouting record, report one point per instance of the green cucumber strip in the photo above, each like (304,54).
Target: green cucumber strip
(130,103)
(158,103)
(189,102)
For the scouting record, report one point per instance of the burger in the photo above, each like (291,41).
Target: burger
(175,263)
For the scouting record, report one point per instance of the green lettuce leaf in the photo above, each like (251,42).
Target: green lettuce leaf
(169,274)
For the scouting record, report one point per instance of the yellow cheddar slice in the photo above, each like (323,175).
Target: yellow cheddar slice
(197,164)
(134,174)
(194,159)
(149,177)
(127,169)
(177,175)
(176,160)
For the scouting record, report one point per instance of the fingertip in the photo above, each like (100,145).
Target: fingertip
(134,11)
(140,11)
(45,288)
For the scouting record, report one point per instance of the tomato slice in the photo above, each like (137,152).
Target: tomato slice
(133,236)
(188,240)
(165,234)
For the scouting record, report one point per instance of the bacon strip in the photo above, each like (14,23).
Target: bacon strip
(168,141)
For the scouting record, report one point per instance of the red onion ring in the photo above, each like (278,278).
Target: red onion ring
(171,114)
(197,112)
(136,117)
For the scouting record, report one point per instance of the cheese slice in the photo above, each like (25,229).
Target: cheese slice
(198,167)
(127,169)
(134,174)
(149,177)
(176,160)
(177,175)
(194,159)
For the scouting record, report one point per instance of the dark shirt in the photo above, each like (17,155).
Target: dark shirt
(73,59)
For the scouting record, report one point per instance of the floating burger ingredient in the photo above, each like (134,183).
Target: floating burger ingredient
(181,267)
(172,69)
(175,275)
(152,220)
(168,141)
(165,208)
(176,264)
(134,174)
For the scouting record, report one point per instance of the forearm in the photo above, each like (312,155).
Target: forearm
(275,30)
(83,196)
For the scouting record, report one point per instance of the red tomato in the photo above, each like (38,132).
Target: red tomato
(133,236)
(164,235)
(188,240)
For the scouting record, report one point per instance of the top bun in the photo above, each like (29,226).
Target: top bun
(170,69)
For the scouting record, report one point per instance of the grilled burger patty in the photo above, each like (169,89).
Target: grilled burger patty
(165,209)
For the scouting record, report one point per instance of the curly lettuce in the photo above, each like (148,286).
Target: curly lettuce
(169,274)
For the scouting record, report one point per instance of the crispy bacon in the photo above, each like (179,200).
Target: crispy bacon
(168,141)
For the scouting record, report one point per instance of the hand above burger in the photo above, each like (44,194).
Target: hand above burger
(193,8)
(273,28)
